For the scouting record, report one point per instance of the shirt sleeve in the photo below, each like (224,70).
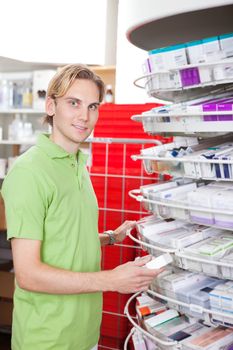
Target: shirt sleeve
(25,204)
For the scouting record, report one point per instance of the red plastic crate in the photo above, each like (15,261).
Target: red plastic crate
(119,175)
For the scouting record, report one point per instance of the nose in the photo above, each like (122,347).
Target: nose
(84,113)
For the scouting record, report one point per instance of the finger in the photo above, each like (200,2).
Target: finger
(142,261)
(154,272)
(131,223)
(142,288)
(128,224)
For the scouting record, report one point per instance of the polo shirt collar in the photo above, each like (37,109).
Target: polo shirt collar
(55,151)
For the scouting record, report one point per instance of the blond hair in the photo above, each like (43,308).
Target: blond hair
(65,77)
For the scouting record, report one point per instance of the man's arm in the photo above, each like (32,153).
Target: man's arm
(119,233)
(34,275)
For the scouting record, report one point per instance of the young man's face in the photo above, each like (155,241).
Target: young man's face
(75,114)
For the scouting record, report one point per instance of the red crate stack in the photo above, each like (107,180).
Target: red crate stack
(113,174)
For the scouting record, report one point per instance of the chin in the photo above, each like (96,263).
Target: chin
(80,138)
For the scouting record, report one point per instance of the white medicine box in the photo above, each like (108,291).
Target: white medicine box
(41,80)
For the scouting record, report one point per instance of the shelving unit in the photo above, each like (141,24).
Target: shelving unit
(21,111)
(182,124)
(150,28)
(216,268)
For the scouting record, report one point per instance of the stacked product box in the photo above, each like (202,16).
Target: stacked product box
(214,248)
(210,204)
(190,64)
(167,191)
(163,323)
(189,288)
(221,298)
(217,197)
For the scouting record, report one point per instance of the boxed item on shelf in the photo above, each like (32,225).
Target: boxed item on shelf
(209,338)
(195,52)
(201,198)
(223,71)
(223,200)
(169,283)
(197,294)
(211,48)
(221,299)
(190,76)
(146,67)
(175,238)
(227,271)
(174,234)
(174,67)
(177,193)
(226,44)
(212,248)
(146,225)
(146,306)
(205,74)
(161,318)
(138,341)
(209,170)
(176,149)
(167,57)
(147,190)
(159,232)
(226,105)
(172,329)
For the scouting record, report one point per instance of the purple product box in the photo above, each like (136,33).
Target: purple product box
(189,76)
(196,76)
(209,107)
(201,220)
(227,106)
(228,347)
(148,65)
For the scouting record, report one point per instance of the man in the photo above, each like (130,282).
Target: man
(52,218)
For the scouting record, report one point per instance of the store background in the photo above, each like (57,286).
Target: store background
(47,35)
(44,36)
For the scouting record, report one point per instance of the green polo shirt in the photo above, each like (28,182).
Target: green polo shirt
(49,197)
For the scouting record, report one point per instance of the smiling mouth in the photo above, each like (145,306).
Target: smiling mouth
(79,127)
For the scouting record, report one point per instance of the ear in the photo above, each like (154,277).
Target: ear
(50,106)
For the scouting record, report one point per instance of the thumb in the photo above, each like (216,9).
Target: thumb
(142,261)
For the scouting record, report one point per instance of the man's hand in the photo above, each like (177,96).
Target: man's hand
(133,276)
(121,231)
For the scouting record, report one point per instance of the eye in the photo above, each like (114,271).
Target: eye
(73,103)
(93,107)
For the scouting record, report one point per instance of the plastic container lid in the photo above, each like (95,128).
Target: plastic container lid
(225,36)
(167,49)
(207,40)
(194,43)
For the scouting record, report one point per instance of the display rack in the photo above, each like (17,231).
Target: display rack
(183,124)
(180,204)
(216,268)
(141,32)
(173,345)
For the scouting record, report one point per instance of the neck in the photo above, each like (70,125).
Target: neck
(67,146)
